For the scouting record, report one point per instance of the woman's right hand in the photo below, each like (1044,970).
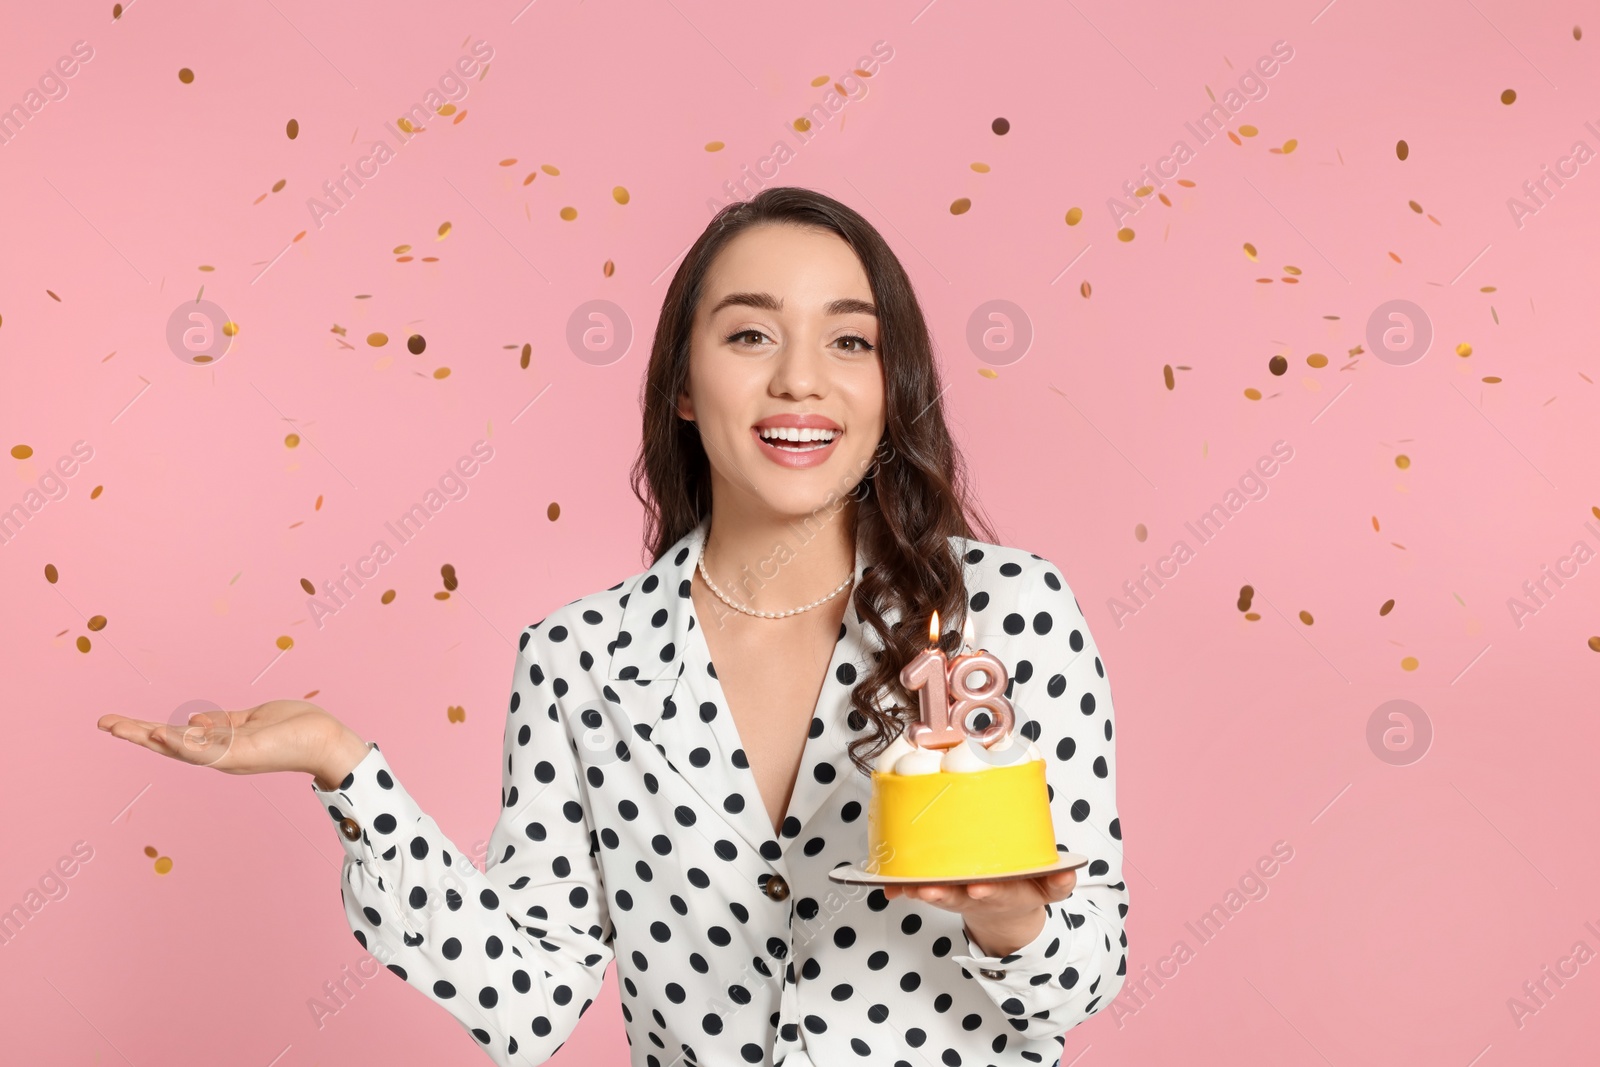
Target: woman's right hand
(280,735)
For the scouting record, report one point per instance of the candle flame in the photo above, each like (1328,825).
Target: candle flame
(933,629)
(967,640)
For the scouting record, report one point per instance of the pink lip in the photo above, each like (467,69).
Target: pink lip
(797,460)
(798,422)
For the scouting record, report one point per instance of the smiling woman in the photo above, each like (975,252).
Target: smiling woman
(685,753)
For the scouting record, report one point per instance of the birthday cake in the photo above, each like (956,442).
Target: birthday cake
(956,813)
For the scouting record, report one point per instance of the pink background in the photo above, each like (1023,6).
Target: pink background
(1419,898)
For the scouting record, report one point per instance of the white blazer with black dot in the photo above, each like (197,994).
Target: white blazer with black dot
(632,830)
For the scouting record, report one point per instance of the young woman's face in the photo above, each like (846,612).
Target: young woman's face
(785,344)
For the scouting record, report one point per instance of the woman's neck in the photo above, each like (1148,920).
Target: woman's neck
(773,562)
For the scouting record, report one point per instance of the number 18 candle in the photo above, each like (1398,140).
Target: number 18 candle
(935,680)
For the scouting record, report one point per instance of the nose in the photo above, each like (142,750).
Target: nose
(800,370)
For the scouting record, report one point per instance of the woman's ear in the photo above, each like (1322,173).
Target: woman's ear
(685,406)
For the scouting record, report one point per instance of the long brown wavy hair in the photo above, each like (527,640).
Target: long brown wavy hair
(913,498)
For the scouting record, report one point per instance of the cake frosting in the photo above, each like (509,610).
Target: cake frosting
(953,813)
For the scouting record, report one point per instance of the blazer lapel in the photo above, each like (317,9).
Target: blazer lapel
(659,640)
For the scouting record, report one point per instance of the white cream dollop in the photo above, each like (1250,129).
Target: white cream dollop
(919,761)
(964,758)
(885,761)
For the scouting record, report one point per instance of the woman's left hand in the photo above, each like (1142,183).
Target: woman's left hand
(976,900)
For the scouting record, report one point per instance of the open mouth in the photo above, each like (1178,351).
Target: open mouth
(790,439)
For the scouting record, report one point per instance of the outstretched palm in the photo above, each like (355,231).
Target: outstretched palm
(280,735)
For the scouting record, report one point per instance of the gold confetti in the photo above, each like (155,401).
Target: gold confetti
(1252,393)
(532,174)
(1186,183)
(527,354)
(448,573)
(1409,663)
(1250,250)
(820,79)
(1594,644)
(285,642)
(1374,522)
(441,595)
(1415,206)
(1074,215)
(1577,35)
(163,865)
(230,329)
(50,573)
(1508,97)
(1402,461)
(620,195)
(1140,533)
(292,129)
(311,590)
(447,110)
(1292,270)
(553,512)
(548,169)
(715,146)
(1125,234)
(1278,365)
(609,269)
(455,713)
(291,440)
(988,372)
(401,249)
(508,162)
(1231,135)
(1001,126)
(116,13)
(442,373)
(1144,190)
(95,492)
(83,643)
(961,206)
(1166,374)
(388,596)
(1252,616)
(444,231)
(1493,379)
(185,75)
(1394,257)
(1305,617)
(21,451)
(569,213)
(404,259)
(1463,350)
(1388,606)
(1085,289)
(981,168)
(415,344)
(1248,131)
(377,340)
(151,852)
(278,185)
(1317,359)
(1402,150)
(97,622)
(53,296)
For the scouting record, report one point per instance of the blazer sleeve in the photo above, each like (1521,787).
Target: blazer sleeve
(515,953)
(1078,962)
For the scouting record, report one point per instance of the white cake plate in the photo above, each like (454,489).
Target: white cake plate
(853,874)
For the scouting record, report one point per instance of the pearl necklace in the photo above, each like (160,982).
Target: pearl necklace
(765,614)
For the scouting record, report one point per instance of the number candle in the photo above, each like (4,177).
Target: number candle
(926,676)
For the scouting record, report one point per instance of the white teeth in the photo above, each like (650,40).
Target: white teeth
(790,433)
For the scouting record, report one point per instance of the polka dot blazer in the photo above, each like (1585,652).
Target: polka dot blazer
(632,831)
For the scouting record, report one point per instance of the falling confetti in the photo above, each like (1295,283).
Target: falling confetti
(1125,234)
(83,644)
(620,195)
(1305,617)
(988,372)
(441,373)
(1402,150)
(961,206)
(285,642)
(415,344)
(1252,393)
(50,573)
(1316,359)
(456,713)
(1409,663)
(1167,376)
(1001,126)
(95,492)
(448,573)
(1250,250)
(981,168)
(527,354)
(163,865)
(1140,533)
(21,451)
(715,146)
(291,441)
(293,129)
(1508,97)
(569,213)
(1388,606)
(377,340)
(553,512)
(1463,350)
(388,596)
(1402,461)
(1074,215)
(311,590)
(1085,289)
(444,231)
(1278,365)
(608,269)
(185,75)
(442,595)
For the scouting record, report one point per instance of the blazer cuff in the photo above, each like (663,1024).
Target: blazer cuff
(1011,973)
(367,807)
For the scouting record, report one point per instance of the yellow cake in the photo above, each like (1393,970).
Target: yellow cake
(957,824)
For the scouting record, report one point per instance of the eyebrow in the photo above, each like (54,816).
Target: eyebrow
(768,302)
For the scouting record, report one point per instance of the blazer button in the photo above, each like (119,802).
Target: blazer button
(777,888)
(989,973)
(350,828)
